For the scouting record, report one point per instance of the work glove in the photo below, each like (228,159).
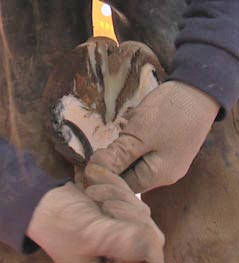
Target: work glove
(104,222)
(163,135)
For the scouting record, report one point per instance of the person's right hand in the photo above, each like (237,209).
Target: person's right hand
(162,137)
(106,220)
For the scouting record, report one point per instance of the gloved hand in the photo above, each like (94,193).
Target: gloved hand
(72,228)
(164,133)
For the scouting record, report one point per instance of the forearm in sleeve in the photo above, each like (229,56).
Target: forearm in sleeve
(207,55)
(22,184)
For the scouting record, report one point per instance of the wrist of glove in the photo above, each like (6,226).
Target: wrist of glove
(105,220)
(163,135)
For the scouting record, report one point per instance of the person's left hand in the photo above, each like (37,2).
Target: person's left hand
(107,220)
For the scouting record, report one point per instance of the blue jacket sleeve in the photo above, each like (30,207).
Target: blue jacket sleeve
(22,184)
(207,53)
